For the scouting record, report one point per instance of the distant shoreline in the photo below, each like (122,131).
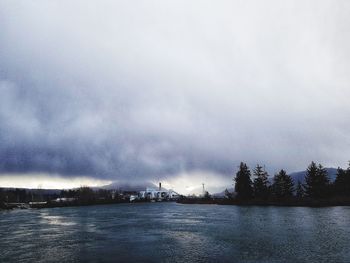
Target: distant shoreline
(41,205)
(285,203)
(200,201)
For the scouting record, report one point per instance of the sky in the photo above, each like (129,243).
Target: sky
(94,92)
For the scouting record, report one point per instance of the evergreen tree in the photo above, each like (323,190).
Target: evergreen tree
(310,179)
(300,190)
(317,182)
(2,196)
(282,185)
(243,185)
(342,182)
(228,194)
(260,185)
(206,195)
(86,194)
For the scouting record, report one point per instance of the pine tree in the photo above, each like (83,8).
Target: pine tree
(310,179)
(317,182)
(347,182)
(261,190)
(2,196)
(243,183)
(228,194)
(300,190)
(282,185)
(342,182)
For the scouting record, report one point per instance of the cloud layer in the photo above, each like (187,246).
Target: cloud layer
(119,90)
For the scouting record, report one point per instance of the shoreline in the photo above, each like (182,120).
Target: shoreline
(6,207)
(199,201)
(262,203)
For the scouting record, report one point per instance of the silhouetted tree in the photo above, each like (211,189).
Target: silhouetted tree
(300,190)
(20,195)
(282,186)
(260,184)
(206,195)
(2,196)
(243,185)
(104,194)
(317,182)
(228,194)
(69,193)
(342,182)
(86,194)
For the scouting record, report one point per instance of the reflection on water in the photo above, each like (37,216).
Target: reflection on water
(168,232)
(46,218)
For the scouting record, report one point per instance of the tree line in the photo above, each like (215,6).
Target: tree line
(82,195)
(256,185)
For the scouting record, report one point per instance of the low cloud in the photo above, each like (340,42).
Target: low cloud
(48,181)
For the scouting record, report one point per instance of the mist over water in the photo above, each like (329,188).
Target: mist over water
(169,232)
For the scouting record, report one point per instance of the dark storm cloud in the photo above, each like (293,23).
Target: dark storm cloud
(118,90)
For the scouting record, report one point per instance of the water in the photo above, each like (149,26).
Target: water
(169,232)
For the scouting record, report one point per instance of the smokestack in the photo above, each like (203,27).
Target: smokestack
(160,186)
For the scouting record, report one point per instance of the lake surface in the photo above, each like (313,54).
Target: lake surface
(170,232)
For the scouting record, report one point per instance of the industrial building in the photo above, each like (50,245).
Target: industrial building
(156,194)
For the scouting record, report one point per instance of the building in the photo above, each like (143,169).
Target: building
(156,194)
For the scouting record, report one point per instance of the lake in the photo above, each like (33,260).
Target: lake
(170,232)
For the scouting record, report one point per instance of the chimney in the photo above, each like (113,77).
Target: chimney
(160,186)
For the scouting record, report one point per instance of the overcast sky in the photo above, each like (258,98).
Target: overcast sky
(145,90)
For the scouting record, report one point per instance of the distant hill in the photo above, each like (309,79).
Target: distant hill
(300,176)
(130,186)
(123,186)
(222,194)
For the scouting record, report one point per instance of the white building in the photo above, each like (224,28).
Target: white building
(158,194)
